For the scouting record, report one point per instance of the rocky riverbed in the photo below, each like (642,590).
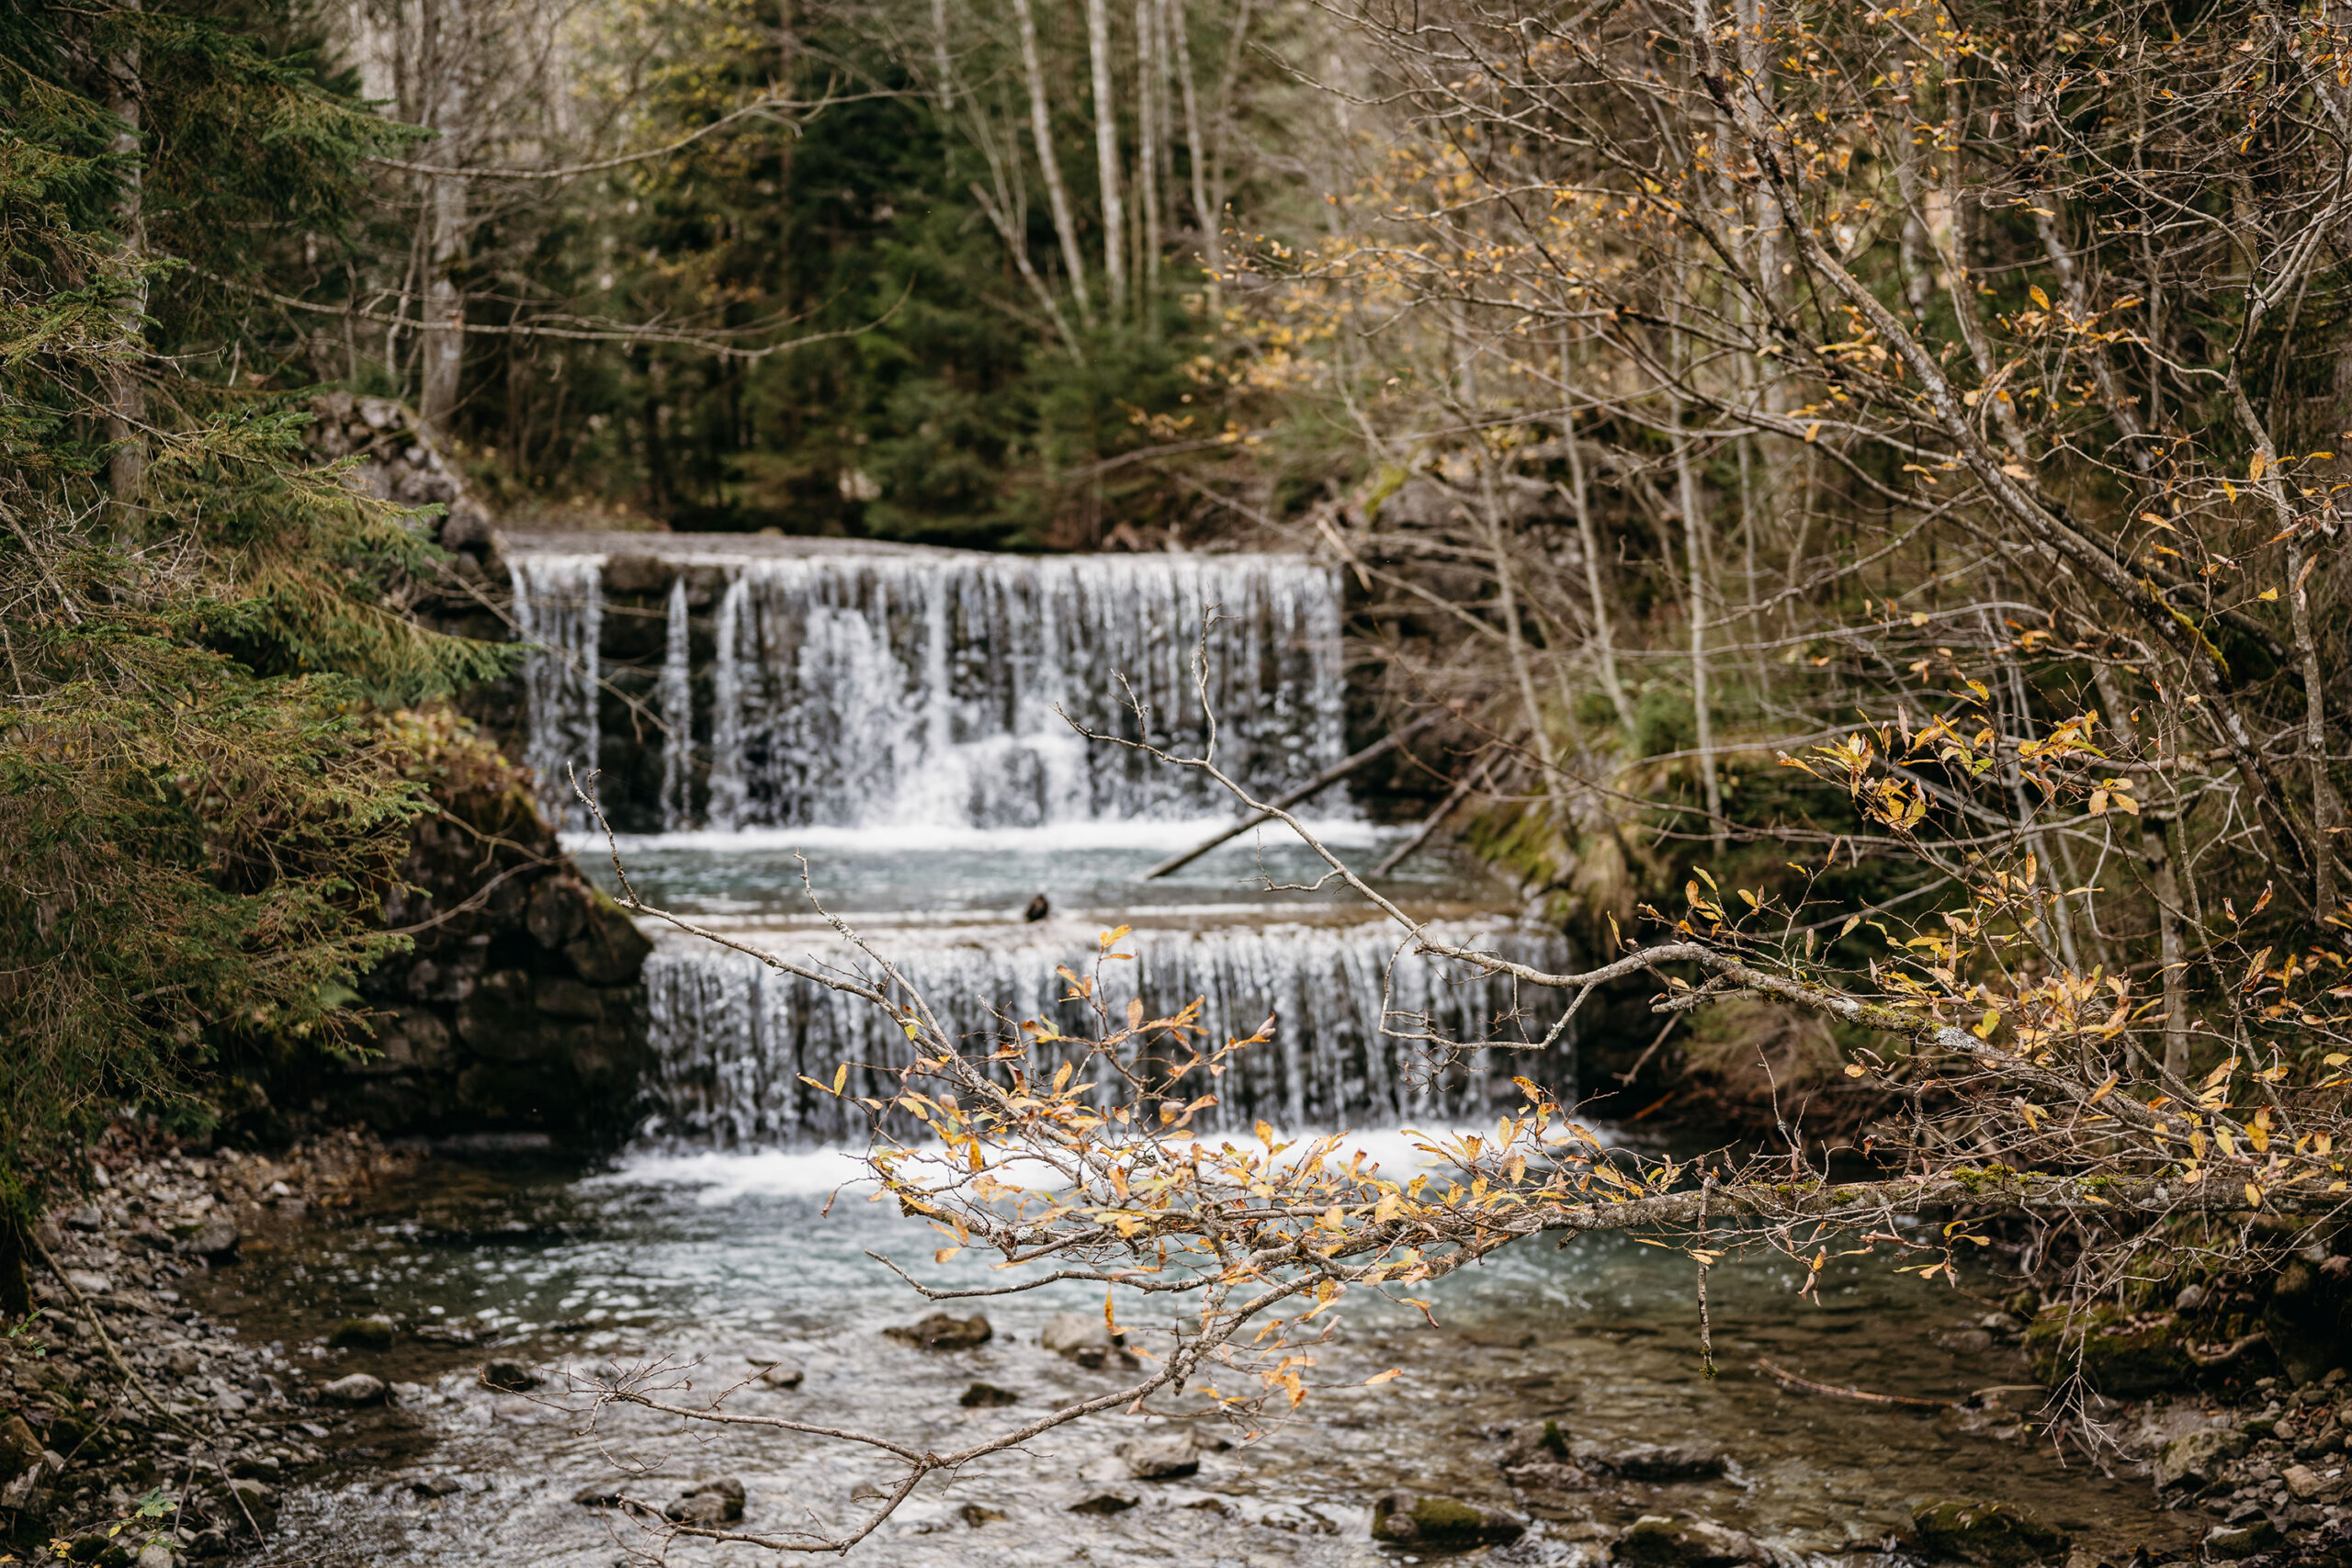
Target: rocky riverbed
(346,1357)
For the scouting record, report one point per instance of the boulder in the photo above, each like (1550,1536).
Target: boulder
(363,1334)
(987,1397)
(2230,1542)
(1656,1541)
(1995,1535)
(598,1495)
(1162,1456)
(214,1237)
(2196,1457)
(1402,1517)
(1106,1500)
(1081,1337)
(941,1332)
(253,1499)
(355,1390)
(708,1504)
(509,1376)
(2122,1357)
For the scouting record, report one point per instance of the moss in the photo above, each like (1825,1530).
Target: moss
(2122,1355)
(1446,1518)
(1994,1534)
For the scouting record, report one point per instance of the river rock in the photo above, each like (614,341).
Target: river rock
(987,1397)
(1162,1456)
(2197,1457)
(355,1390)
(1657,1541)
(2230,1542)
(778,1374)
(20,1447)
(1081,1337)
(363,1334)
(436,1487)
(1995,1535)
(214,1237)
(1651,1461)
(88,1282)
(254,1499)
(708,1504)
(509,1376)
(598,1495)
(941,1332)
(2303,1482)
(1106,1500)
(1402,1517)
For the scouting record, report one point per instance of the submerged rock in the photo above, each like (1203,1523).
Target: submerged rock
(708,1504)
(1995,1535)
(1439,1521)
(1656,1461)
(778,1374)
(509,1376)
(1081,1337)
(598,1495)
(1163,1455)
(358,1389)
(1106,1500)
(987,1397)
(2121,1356)
(1656,1541)
(363,1334)
(941,1332)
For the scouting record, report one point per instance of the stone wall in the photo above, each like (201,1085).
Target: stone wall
(520,1014)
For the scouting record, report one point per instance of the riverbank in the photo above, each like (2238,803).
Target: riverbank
(139,1429)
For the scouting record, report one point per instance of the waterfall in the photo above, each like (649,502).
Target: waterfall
(677,695)
(931,689)
(736,1040)
(559,608)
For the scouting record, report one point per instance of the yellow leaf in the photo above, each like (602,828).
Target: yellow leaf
(2254,1195)
(944,1253)
(2254,469)
(1377,1378)
(2039,297)
(2269,596)
(2229,490)
(2105,1090)
(1813,431)
(1853,1069)
(2099,803)
(1387,1209)
(840,1076)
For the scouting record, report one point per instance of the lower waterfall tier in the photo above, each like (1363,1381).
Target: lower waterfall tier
(735,1040)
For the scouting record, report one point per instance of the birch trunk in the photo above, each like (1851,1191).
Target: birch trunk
(1106,155)
(1197,157)
(1148,78)
(1041,132)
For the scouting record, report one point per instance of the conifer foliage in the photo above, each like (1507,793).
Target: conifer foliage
(200,801)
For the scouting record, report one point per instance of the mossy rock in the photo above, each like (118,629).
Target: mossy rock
(1439,1521)
(2122,1357)
(1995,1535)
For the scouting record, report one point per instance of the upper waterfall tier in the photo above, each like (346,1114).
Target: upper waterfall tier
(881,688)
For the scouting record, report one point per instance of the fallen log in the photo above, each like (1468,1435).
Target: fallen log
(1315,786)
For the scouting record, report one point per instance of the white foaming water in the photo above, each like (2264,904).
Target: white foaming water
(719,1177)
(939,688)
(558,605)
(1180,833)
(737,1042)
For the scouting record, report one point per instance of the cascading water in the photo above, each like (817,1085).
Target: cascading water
(877,691)
(559,606)
(738,1041)
(929,689)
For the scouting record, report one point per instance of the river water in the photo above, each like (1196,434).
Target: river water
(894,719)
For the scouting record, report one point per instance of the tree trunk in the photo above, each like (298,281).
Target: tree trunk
(1041,130)
(1197,158)
(1106,155)
(126,394)
(442,343)
(1148,78)
(1581,502)
(1686,477)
